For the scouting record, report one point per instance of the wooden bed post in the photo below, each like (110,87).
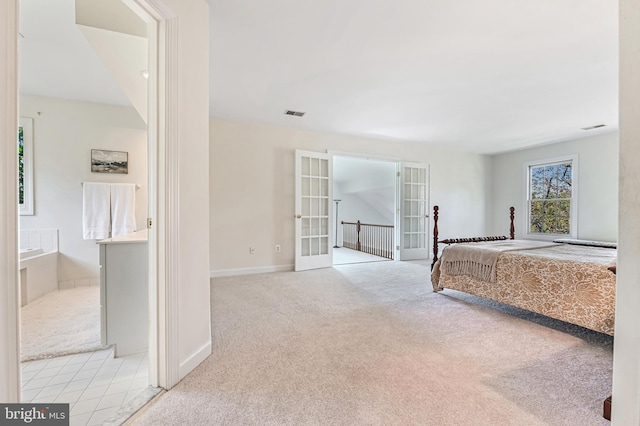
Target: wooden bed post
(435,235)
(512,229)
(512,234)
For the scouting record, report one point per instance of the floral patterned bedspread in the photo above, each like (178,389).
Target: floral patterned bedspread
(567,282)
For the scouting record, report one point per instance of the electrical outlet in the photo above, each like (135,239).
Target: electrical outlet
(277,248)
(252,250)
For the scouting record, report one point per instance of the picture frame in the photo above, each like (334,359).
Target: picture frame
(106,161)
(25,167)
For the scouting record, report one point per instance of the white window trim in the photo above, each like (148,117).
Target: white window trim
(574,197)
(26,208)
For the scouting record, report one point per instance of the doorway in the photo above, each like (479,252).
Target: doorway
(364,202)
(318,229)
(67,133)
(167,363)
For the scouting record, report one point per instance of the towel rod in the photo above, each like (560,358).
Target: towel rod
(137,184)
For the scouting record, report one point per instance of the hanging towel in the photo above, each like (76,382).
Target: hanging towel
(123,208)
(96,214)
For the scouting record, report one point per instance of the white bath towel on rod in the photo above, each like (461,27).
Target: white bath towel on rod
(123,208)
(96,212)
(137,184)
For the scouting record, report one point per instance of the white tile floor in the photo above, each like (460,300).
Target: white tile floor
(95,384)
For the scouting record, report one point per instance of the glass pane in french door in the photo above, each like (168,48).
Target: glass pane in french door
(415,205)
(315,206)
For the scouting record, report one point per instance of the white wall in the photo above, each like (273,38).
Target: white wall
(192,133)
(626,349)
(63,135)
(9,362)
(366,188)
(597,185)
(252,188)
(372,206)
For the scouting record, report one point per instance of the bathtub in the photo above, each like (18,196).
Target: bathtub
(38,256)
(30,252)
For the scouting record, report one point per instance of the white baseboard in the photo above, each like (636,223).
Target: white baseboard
(249,271)
(194,359)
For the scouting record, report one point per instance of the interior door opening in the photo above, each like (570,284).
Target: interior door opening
(359,210)
(364,204)
(78,280)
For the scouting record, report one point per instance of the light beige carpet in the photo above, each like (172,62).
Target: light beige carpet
(61,323)
(371,344)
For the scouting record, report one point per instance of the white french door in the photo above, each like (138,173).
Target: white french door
(313,217)
(413,235)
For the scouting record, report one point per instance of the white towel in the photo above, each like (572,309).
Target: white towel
(123,208)
(96,214)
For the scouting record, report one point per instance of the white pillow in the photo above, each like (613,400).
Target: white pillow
(605,244)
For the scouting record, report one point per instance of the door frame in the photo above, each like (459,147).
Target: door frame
(9,320)
(396,207)
(398,194)
(163,211)
(163,189)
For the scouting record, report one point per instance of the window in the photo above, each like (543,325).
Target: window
(551,199)
(25,166)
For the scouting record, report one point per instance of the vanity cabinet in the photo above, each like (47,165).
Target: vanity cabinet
(124,293)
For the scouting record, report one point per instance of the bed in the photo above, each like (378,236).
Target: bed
(570,280)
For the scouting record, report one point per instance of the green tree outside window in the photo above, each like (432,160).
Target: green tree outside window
(550,198)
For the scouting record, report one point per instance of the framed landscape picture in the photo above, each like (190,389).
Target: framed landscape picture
(103,161)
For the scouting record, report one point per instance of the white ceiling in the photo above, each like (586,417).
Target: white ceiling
(487,76)
(55,58)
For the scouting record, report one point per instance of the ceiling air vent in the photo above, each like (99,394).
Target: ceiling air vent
(294,113)
(593,127)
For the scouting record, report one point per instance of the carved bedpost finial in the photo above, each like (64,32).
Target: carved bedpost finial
(435,235)
(512,229)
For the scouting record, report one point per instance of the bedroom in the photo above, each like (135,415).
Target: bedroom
(472,168)
(476,189)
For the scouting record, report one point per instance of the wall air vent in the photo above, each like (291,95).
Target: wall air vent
(593,127)
(294,113)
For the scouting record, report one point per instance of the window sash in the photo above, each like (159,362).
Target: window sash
(551,197)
